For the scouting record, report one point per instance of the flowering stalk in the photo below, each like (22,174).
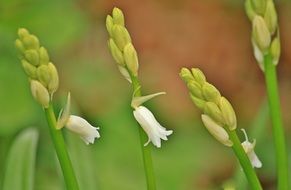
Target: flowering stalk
(220,120)
(44,81)
(266,44)
(125,55)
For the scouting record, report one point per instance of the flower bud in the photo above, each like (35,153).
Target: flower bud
(118,17)
(109,24)
(259,6)
(120,36)
(261,34)
(40,93)
(43,75)
(125,73)
(53,83)
(210,93)
(32,57)
(29,69)
(19,46)
(249,10)
(195,89)
(115,52)
(258,55)
(22,32)
(30,42)
(228,113)
(198,76)
(200,103)
(271,17)
(130,58)
(43,56)
(217,131)
(275,50)
(186,75)
(212,110)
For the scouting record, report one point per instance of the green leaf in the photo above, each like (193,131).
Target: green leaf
(20,163)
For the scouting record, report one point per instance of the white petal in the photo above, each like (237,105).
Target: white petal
(150,125)
(80,126)
(216,130)
(258,55)
(125,73)
(256,163)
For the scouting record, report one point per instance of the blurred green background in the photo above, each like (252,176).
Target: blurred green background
(211,34)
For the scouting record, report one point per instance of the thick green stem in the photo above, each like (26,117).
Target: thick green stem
(278,130)
(60,147)
(244,161)
(146,150)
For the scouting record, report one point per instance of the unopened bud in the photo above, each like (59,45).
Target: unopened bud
(249,10)
(259,6)
(115,52)
(43,75)
(118,17)
(210,93)
(217,131)
(43,56)
(198,76)
(198,102)
(40,93)
(261,34)
(19,46)
(120,36)
(130,58)
(186,75)
(275,50)
(213,111)
(271,17)
(32,57)
(29,69)
(54,78)
(228,113)
(22,32)
(109,24)
(195,89)
(30,42)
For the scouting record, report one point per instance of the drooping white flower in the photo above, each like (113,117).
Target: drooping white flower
(249,149)
(151,126)
(80,126)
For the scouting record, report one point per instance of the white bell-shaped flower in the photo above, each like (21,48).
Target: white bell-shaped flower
(80,126)
(249,149)
(150,125)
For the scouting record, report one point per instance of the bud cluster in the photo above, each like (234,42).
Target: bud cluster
(120,45)
(42,73)
(218,113)
(265,32)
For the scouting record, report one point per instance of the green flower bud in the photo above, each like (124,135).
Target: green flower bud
(249,10)
(29,69)
(213,111)
(32,57)
(22,32)
(259,6)
(43,75)
(115,52)
(217,131)
(120,36)
(118,17)
(275,50)
(198,76)
(198,102)
(54,78)
(195,89)
(271,17)
(40,93)
(261,34)
(30,42)
(210,93)
(43,56)
(186,75)
(131,60)
(109,24)
(228,113)
(19,46)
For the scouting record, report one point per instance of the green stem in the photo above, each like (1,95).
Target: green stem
(278,130)
(244,161)
(146,150)
(60,147)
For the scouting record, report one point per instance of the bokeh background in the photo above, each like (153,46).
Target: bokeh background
(213,35)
